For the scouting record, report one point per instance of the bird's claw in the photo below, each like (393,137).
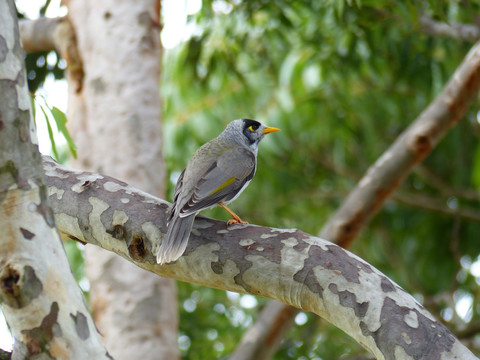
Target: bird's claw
(236,221)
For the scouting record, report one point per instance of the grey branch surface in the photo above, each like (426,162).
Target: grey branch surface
(287,265)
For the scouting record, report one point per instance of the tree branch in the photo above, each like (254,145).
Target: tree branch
(40,34)
(447,190)
(287,265)
(453,30)
(389,171)
(425,202)
(45,34)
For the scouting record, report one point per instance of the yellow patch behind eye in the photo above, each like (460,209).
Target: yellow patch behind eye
(224,185)
(251,128)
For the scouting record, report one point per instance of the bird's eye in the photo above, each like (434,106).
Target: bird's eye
(252,128)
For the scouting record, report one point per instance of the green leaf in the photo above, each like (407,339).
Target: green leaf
(50,132)
(32,106)
(61,121)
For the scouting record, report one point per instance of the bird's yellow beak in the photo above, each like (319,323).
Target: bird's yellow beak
(270,129)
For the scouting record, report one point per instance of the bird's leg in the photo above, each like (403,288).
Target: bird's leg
(236,219)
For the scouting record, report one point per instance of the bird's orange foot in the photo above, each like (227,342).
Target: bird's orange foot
(236,221)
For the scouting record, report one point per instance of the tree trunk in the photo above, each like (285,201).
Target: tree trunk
(39,297)
(115,119)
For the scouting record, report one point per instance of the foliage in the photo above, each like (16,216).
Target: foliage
(60,119)
(342,80)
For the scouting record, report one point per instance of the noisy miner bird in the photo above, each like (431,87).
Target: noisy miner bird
(216,174)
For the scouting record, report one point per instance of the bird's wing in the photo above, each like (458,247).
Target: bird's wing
(222,180)
(176,195)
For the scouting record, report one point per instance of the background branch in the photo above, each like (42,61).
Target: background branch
(41,34)
(45,34)
(453,30)
(428,203)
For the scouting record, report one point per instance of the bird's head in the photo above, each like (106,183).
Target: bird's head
(248,132)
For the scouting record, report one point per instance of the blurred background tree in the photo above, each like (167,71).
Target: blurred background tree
(342,79)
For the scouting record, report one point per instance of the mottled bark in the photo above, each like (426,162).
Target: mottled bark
(115,120)
(287,265)
(39,297)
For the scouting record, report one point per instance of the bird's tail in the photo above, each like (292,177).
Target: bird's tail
(176,239)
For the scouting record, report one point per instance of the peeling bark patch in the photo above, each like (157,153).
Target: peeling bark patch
(349,299)
(422,145)
(9,279)
(10,168)
(27,234)
(3,49)
(32,286)
(81,325)
(118,232)
(86,184)
(335,258)
(431,338)
(387,285)
(119,196)
(233,246)
(44,208)
(300,246)
(308,278)
(19,290)
(98,85)
(24,128)
(137,249)
(38,339)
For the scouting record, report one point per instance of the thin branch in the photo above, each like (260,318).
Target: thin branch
(453,30)
(287,265)
(428,203)
(45,34)
(435,181)
(40,34)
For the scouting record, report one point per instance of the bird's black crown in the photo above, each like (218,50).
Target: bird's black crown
(249,122)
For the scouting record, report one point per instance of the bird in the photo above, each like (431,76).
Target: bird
(216,174)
